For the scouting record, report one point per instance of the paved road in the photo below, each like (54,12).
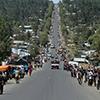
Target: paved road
(47,84)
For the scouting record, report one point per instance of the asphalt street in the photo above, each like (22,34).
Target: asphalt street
(49,84)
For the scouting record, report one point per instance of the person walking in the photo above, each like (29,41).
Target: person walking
(26,69)
(17,75)
(98,79)
(79,77)
(85,74)
(14,72)
(23,72)
(90,81)
(30,71)
(1,83)
(41,64)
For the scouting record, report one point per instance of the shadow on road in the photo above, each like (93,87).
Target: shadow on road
(10,83)
(7,94)
(56,69)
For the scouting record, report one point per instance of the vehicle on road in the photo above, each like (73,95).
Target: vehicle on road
(52,46)
(60,51)
(52,55)
(55,64)
(49,54)
(45,59)
(56,58)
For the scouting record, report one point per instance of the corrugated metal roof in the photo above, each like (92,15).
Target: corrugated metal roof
(19,52)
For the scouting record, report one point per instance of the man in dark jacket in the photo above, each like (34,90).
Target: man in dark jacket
(98,79)
(1,83)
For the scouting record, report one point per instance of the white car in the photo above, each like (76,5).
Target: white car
(49,54)
(52,46)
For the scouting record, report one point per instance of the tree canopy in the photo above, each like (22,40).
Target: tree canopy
(34,50)
(23,10)
(43,38)
(5,33)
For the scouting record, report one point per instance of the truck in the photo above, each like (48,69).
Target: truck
(55,64)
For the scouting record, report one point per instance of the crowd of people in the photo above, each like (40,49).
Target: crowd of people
(91,76)
(18,72)
(14,72)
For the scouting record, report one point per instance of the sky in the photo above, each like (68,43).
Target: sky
(56,1)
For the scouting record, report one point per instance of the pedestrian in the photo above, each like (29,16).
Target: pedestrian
(17,75)
(30,71)
(79,77)
(85,74)
(33,66)
(23,72)
(7,74)
(14,72)
(98,80)
(94,77)
(90,81)
(71,70)
(41,64)
(38,64)
(67,67)
(1,83)
(73,73)
(26,69)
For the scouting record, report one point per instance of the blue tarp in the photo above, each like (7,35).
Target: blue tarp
(21,61)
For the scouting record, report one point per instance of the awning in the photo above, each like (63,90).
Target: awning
(4,67)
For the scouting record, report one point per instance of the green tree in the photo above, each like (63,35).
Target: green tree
(22,28)
(78,29)
(49,14)
(37,41)
(47,24)
(21,10)
(92,38)
(95,42)
(35,28)
(43,38)
(28,35)
(5,42)
(22,37)
(34,50)
(64,30)
(76,40)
